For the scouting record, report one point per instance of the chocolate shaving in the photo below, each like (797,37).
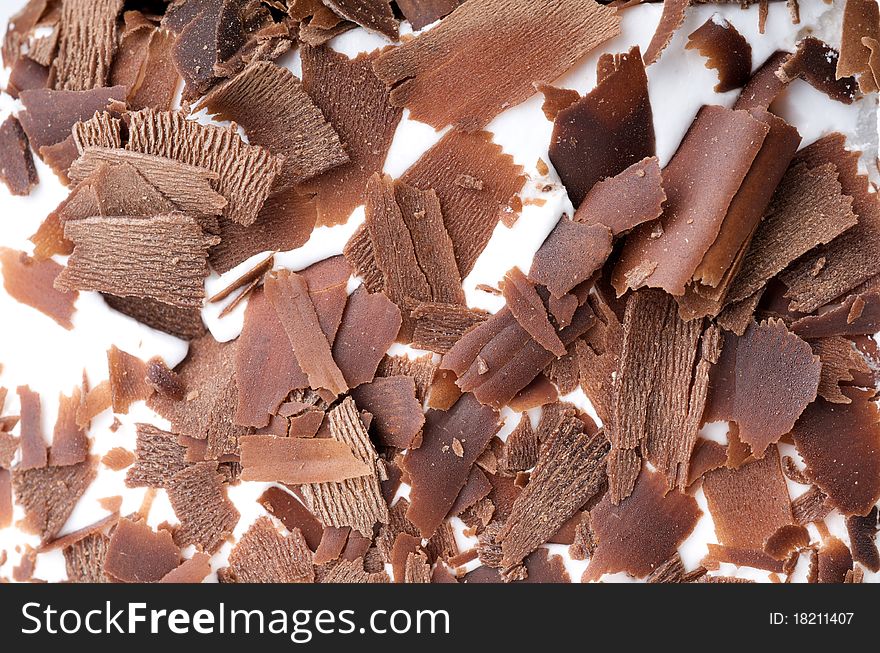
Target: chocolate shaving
(185,323)
(144,65)
(726,50)
(643,531)
(469,214)
(759,485)
(606,131)
(32,282)
(128,380)
(270,103)
(840,360)
(786,540)
(158,458)
(764,86)
(435,473)
(626,200)
(357,351)
(117,459)
(356,103)
(439,326)
(521,447)
(137,554)
(206,514)
(861,20)
(352,571)
(84,559)
(810,507)
(834,561)
(421,13)
(528,309)
(49,494)
(298,460)
(264,555)
(397,414)
(17,169)
(671,19)
(165,381)
(5,498)
(373,15)
(34,453)
(862,538)
(194,570)
(849,259)
(293,514)
(816,63)
(570,255)
(706,456)
(208,408)
(246,172)
(421,370)
(86,44)
(840,443)
(569,472)
(857,314)
(355,502)
(466,58)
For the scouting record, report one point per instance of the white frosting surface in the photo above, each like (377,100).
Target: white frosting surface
(36,351)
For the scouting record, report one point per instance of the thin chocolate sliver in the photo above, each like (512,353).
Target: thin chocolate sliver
(17,169)
(861,20)
(466,58)
(292,514)
(70,444)
(295,461)
(862,537)
(397,414)
(207,516)
(570,255)
(765,85)
(816,63)
(87,43)
(607,130)
(32,282)
(158,457)
(194,570)
(373,15)
(529,311)
(670,20)
(726,50)
(421,13)
(439,326)
(34,452)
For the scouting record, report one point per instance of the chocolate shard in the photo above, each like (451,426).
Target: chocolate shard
(296,461)
(185,323)
(816,63)
(27,75)
(265,555)
(726,50)
(32,282)
(571,254)
(84,559)
(285,222)
(165,381)
(50,115)
(808,209)
(127,257)
(759,485)
(671,19)
(834,561)
(529,311)
(17,169)
(373,15)
(857,314)
(293,514)
(786,540)
(70,444)
(128,380)
(207,516)
(265,364)
(158,458)
(117,459)
(356,103)
(246,172)
(137,554)
(606,131)
(643,531)
(275,111)
(34,453)
(436,473)
(658,404)
(439,326)
(421,370)
(810,507)
(144,65)
(208,373)
(497,359)
(49,494)
(187,188)
(862,537)
(775,376)
(421,13)
(570,471)
(87,43)
(356,350)
(470,214)
(849,260)
(452,61)
(194,570)
(840,361)
(840,444)
(626,200)
(397,414)
(355,502)
(351,571)
(287,293)
(765,85)
(861,20)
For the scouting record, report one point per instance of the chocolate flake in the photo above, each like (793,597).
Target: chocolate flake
(355,502)
(137,554)
(165,381)
(397,414)
(373,15)
(32,282)
(671,19)
(49,494)
(17,169)
(726,50)
(87,43)
(810,507)
(786,540)
(862,538)
(840,443)
(117,459)
(194,570)
(529,311)
(270,103)
(643,531)
(840,360)
(293,514)
(861,20)
(570,255)
(439,326)
(34,453)
(298,460)
(470,215)
(128,257)
(606,131)
(206,514)
(816,63)
(764,86)
(356,103)
(128,380)
(569,472)
(466,58)
(246,172)
(834,561)
(421,13)
(84,559)
(158,458)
